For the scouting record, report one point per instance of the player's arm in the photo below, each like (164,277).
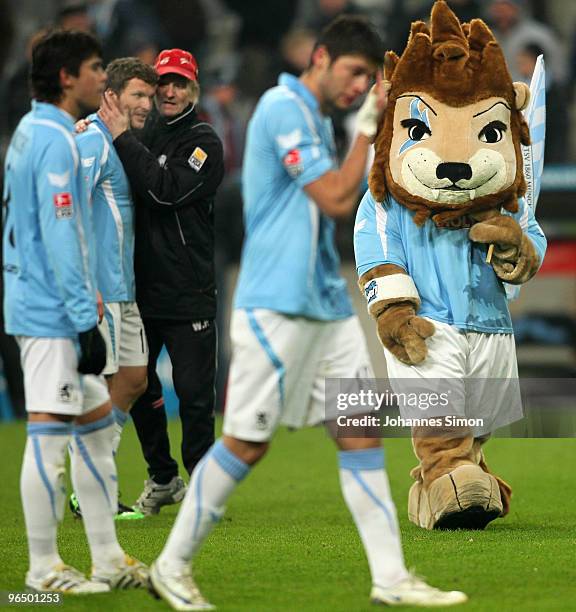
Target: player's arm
(336,192)
(56,168)
(196,168)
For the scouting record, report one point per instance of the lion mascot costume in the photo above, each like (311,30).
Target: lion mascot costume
(441,229)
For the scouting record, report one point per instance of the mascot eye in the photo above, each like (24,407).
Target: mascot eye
(493,132)
(417,130)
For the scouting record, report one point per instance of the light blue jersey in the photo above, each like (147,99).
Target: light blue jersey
(48,246)
(112,212)
(455,283)
(289,260)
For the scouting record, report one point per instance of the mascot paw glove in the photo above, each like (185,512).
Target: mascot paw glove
(403,333)
(514,259)
(92,352)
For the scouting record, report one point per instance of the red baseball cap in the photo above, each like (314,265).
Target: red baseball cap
(177,61)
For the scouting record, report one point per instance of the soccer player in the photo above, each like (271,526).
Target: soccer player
(50,306)
(293,323)
(174,172)
(132,84)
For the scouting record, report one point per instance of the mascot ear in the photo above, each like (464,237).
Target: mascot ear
(522,95)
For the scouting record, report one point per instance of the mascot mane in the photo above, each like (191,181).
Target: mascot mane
(458,64)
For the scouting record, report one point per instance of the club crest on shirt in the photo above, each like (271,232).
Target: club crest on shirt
(293,163)
(63,205)
(59,180)
(197,159)
(162,161)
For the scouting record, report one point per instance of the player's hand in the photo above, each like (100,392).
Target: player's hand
(100,306)
(116,121)
(81,125)
(92,352)
(373,108)
(404,334)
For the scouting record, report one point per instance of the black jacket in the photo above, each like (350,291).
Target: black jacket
(174,174)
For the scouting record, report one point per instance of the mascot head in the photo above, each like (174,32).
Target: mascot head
(449,142)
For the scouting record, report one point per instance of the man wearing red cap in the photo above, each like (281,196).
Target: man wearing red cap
(174,173)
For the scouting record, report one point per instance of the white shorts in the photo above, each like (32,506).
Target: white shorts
(52,383)
(279,366)
(482,369)
(125,337)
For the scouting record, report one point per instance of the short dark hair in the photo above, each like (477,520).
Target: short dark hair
(352,35)
(56,50)
(120,71)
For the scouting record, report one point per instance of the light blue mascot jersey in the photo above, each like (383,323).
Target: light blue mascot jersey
(112,212)
(49,264)
(455,284)
(289,260)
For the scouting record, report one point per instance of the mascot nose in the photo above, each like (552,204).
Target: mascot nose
(453,171)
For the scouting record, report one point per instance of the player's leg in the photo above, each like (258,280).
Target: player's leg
(363,477)
(110,328)
(53,398)
(366,490)
(130,380)
(365,485)
(256,395)
(95,481)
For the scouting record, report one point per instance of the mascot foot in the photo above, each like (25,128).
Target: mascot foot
(466,498)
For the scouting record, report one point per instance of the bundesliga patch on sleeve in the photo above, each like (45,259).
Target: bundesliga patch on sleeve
(293,163)
(63,205)
(197,159)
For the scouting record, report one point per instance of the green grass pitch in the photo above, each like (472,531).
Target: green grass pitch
(288,543)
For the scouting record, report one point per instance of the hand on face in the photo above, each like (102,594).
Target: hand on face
(110,113)
(373,107)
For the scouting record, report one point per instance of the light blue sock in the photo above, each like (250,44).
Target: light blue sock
(95,482)
(43,488)
(366,490)
(211,484)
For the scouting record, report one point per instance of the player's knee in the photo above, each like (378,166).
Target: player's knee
(352,444)
(138,387)
(248,452)
(130,384)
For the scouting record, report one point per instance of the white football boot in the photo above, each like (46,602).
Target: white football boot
(67,580)
(415,592)
(178,589)
(131,574)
